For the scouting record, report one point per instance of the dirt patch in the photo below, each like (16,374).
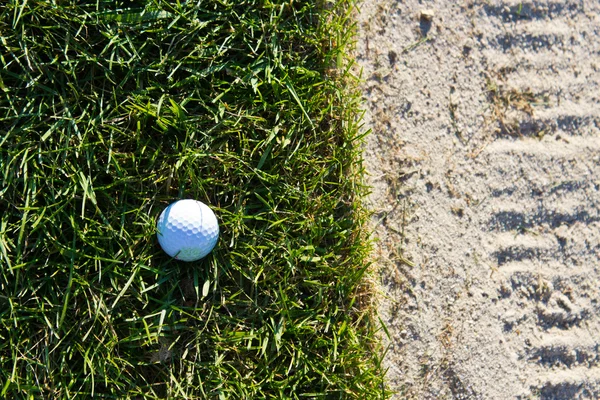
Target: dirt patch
(484,160)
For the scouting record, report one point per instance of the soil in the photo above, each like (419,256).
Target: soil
(484,162)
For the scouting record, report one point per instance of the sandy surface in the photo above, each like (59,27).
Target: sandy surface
(485,166)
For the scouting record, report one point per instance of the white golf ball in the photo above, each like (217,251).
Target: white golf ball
(187,230)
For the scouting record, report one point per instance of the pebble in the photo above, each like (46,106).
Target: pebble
(427,15)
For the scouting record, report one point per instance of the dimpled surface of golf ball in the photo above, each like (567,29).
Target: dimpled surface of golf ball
(187,230)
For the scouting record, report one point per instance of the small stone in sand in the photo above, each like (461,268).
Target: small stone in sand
(427,15)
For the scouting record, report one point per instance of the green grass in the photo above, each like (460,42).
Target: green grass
(109,111)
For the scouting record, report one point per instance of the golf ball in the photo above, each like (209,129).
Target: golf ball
(187,230)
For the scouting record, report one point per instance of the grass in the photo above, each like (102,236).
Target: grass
(513,110)
(111,110)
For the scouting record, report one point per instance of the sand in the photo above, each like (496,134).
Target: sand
(484,159)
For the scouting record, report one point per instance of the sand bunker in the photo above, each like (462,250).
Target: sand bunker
(485,164)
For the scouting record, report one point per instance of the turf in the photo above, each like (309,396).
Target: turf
(111,110)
